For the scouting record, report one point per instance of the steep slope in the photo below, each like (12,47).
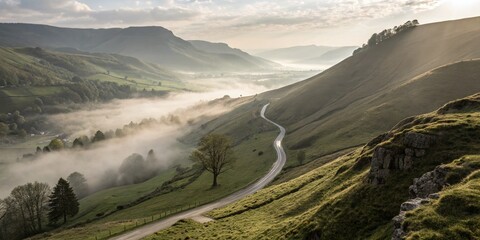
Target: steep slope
(342,199)
(428,65)
(223,48)
(152,44)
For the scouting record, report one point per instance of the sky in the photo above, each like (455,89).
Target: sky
(247,24)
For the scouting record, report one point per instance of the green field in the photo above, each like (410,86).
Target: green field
(21,98)
(12,152)
(108,200)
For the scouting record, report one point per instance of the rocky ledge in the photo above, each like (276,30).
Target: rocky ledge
(386,159)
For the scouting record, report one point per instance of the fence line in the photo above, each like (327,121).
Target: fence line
(105,234)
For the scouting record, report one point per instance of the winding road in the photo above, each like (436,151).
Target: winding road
(150,229)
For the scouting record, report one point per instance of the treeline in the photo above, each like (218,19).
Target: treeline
(386,34)
(33,208)
(80,91)
(84,141)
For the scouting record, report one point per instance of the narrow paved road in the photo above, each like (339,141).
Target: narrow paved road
(150,229)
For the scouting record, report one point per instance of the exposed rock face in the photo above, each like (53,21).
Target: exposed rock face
(422,191)
(428,183)
(418,140)
(385,160)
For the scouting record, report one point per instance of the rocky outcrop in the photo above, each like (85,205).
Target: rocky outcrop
(422,191)
(386,159)
(399,231)
(418,140)
(428,183)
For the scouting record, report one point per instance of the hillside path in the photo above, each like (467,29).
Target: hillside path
(150,229)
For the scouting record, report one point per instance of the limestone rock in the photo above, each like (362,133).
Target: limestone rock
(418,140)
(399,231)
(428,183)
(420,152)
(422,191)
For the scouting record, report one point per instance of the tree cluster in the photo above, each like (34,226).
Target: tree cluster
(13,124)
(29,207)
(85,141)
(386,34)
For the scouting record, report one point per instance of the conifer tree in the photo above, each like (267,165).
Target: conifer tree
(62,202)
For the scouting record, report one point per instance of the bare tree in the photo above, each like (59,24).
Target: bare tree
(214,152)
(30,200)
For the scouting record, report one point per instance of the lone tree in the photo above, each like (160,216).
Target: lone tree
(214,152)
(62,202)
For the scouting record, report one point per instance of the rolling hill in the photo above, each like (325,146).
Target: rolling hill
(353,104)
(151,44)
(414,72)
(30,73)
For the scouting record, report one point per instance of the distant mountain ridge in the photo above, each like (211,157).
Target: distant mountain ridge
(309,55)
(152,44)
(330,57)
(223,48)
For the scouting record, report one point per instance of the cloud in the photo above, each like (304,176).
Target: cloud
(208,19)
(53,5)
(246,13)
(142,16)
(76,13)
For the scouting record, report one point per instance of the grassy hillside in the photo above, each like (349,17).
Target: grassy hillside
(254,156)
(427,65)
(456,214)
(339,200)
(30,73)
